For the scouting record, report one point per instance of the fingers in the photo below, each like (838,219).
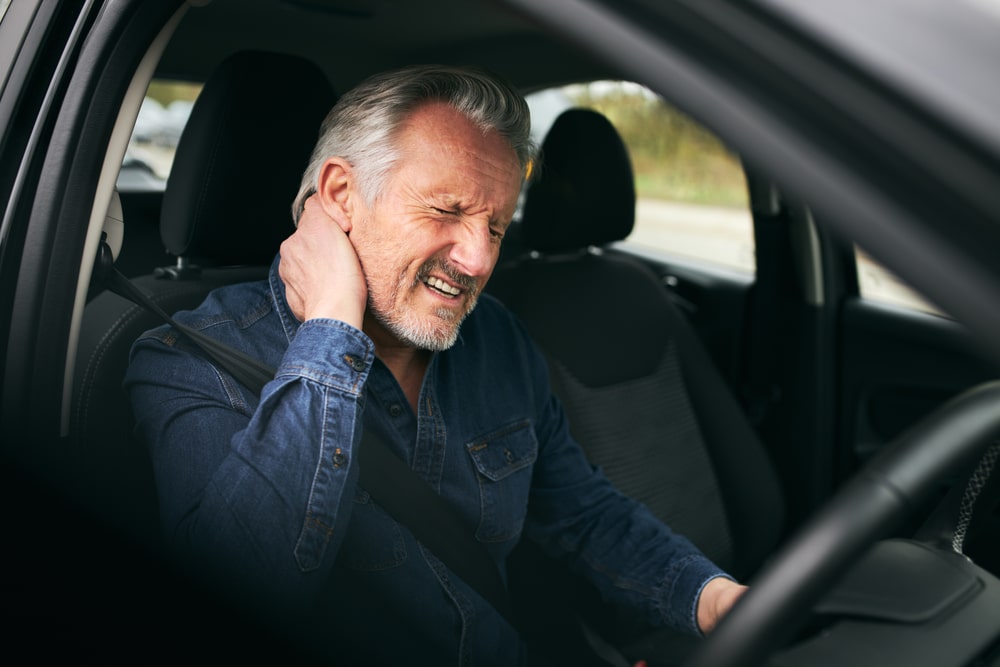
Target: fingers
(321,270)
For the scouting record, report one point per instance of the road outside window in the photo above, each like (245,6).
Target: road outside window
(692,194)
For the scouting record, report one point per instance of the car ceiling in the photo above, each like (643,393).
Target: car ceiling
(351,39)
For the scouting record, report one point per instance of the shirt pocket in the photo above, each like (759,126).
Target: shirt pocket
(503,460)
(373,541)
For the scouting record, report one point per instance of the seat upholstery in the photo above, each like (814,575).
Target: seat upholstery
(226,208)
(642,395)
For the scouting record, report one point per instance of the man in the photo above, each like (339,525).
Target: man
(370,316)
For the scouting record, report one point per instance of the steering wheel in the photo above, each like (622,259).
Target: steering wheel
(865,510)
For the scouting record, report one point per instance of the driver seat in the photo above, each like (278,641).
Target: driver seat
(226,208)
(642,395)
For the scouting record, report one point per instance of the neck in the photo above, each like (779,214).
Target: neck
(406,363)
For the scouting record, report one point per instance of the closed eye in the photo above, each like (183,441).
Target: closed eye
(496,233)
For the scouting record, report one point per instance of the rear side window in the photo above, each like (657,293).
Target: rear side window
(691,192)
(150,152)
(879,284)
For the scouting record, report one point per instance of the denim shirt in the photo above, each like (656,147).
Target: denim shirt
(266,487)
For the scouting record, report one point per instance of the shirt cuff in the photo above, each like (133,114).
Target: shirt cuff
(686,581)
(330,352)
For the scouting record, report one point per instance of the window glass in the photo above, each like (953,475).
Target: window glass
(877,283)
(150,152)
(691,191)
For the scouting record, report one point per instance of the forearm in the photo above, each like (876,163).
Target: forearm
(631,557)
(629,554)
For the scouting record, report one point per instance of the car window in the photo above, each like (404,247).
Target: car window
(879,284)
(691,191)
(150,152)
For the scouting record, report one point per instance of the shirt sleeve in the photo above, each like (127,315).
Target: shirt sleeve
(631,556)
(260,491)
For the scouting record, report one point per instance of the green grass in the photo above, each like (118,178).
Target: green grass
(166,91)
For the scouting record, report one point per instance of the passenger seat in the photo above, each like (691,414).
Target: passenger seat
(642,394)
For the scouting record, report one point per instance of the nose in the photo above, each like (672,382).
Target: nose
(474,250)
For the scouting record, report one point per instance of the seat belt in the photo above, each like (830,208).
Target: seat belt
(400,491)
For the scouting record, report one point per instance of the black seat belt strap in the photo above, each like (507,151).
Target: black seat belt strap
(433,521)
(247,370)
(399,490)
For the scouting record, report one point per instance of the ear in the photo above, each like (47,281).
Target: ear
(335,190)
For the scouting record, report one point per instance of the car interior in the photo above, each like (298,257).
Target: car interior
(735,409)
(706,476)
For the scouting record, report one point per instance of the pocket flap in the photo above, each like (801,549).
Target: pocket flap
(504,451)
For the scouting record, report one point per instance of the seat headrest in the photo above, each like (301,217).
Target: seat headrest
(584,194)
(241,157)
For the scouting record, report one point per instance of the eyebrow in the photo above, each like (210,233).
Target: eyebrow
(451,202)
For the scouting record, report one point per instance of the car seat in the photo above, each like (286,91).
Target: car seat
(643,396)
(226,208)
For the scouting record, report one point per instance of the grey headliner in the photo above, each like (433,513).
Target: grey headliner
(388,33)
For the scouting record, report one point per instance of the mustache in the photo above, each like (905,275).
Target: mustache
(456,277)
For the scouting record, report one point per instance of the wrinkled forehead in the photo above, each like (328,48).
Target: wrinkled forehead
(451,150)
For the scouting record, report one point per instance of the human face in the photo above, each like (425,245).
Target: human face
(429,242)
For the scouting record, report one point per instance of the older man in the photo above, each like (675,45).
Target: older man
(374,318)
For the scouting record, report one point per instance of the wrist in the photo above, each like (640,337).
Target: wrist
(344,311)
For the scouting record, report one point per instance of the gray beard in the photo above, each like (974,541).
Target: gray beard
(420,334)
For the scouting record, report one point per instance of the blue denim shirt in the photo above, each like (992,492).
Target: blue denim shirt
(267,486)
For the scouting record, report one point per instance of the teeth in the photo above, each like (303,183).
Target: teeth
(439,284)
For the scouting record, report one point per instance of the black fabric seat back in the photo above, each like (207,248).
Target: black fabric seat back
(226,208)
(643,396)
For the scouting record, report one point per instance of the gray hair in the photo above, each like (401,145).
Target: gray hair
(363,123)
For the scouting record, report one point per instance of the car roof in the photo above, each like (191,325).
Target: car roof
(352,39)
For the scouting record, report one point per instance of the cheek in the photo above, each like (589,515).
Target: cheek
(391,253)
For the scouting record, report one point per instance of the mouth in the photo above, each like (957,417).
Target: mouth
(441,287)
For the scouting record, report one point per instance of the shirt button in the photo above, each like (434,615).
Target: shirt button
(395,410)
(355,362)
(339,458)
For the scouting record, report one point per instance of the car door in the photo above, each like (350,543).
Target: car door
(899,361)
(66,89)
